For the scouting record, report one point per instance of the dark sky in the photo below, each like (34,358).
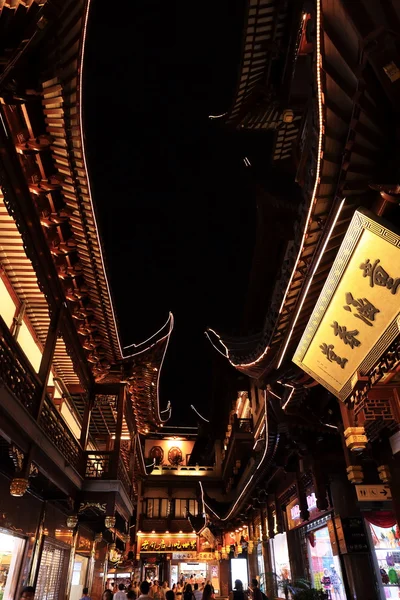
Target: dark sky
(175,202)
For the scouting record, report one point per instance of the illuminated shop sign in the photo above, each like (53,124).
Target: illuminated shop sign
(184,555)
(311,505)
(356,315)
(164,544)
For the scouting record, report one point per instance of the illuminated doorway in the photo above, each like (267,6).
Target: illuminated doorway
(11,552)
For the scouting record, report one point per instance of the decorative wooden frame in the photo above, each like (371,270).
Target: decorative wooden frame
(362,220)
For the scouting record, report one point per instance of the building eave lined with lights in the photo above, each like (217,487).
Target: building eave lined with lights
(334,178)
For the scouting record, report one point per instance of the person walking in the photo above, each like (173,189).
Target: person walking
(188,594)
(120,595)
(27,593)
(238,593)
(198,594)
(256,592)
(157,593)
(144,591)
(85,593)
(208,592)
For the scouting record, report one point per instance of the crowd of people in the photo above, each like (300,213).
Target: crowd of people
(148,590)
(152,590)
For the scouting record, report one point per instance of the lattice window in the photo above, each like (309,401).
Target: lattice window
(53,571)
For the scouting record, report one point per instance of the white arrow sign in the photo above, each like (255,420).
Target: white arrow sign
(374,493)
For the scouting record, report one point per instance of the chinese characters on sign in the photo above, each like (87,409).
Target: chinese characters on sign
(357,313)
(366,311)
(378,276)
(161,545)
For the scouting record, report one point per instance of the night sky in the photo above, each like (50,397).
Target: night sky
(175,202)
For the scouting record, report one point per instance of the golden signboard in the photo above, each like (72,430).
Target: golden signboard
(166,544)
(356,315)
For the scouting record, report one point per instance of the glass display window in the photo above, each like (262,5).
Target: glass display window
(384,536)
(11,553)
(281,556)
(326,573)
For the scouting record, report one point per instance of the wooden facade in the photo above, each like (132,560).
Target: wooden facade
(74,403)
(341,152)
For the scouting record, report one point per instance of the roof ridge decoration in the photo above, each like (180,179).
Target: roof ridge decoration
(256,366)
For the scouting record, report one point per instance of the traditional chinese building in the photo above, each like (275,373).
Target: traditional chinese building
(320,495)
(74,403)
(174,541)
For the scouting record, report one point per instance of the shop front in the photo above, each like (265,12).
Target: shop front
(384,536)
(196,567)
(12,548)
(318,547)
(173,557)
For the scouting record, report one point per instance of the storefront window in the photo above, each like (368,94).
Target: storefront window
(157,508)
(182,504)
(325,568)
(281,556)
(11,551)
(385,537)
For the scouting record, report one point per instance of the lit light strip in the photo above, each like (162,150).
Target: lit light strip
(4,125)
(86,17)
(197,413)
(86,168)
(320,138)
(159,372)
(255,472)
(168,321)
(217,116)
(215,347)
(276,395)
(316,183)
(148,339)
(259,436)
(137,443)
(339,210)
(237,365)
(290,397)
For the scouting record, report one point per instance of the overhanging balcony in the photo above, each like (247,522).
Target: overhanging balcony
(29,418)
(240,445)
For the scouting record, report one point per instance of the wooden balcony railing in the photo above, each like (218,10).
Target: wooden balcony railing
(59,433)
(18,376)
(106,465)
(16,372)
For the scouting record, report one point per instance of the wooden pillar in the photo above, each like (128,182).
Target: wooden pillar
(302,496)
(358,568)
(270,518)
(37,548)
(47,358)
(320,487)
(118,429)
(71,561)
(86,420)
